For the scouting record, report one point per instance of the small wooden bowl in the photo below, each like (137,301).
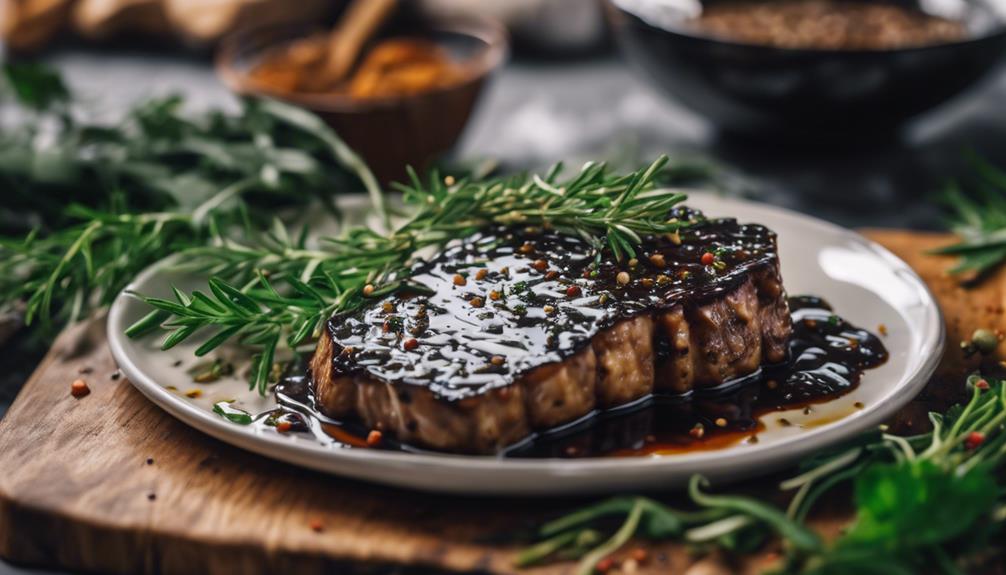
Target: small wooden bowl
(389,133)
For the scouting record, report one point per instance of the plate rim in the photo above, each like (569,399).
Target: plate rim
(715,462)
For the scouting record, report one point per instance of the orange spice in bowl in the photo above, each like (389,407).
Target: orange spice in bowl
(392,68)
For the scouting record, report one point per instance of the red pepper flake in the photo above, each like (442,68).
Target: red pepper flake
(79,388)
(540,265)
(605,565)
(982,384)
(481,274)
(495,295)
(283,426)
(459,280)
(974,440)
(697,431)
(708,258)
(411,344)
(573,291)
(316,525)
(374,438)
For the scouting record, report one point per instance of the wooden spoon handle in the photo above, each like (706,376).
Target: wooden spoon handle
(358,24)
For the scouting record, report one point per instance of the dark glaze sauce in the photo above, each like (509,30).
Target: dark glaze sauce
(502,303)
(827,359)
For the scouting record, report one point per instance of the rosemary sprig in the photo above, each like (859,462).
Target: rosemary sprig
(979,218)
(275,292)
(927,503)
(87,206)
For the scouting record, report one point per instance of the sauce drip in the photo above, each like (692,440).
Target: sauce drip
(827,358)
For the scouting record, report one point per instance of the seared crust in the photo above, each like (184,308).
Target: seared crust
(674,351)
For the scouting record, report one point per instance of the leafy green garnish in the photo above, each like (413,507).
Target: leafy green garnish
(88,206)
(923,504)
(231,413)
(979,218)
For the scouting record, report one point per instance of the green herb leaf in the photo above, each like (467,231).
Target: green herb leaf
(231,413)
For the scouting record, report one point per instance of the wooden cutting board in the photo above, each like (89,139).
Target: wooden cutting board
(109,483)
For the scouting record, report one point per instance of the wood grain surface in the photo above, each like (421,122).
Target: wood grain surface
(109,483)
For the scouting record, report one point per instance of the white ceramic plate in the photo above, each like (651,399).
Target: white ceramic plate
(865,283)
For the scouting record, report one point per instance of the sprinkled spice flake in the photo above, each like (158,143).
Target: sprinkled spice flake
(79,388)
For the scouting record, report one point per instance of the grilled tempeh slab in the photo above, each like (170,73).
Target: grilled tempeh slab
(518,330)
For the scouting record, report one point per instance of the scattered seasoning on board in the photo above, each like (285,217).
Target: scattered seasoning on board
(79,388)
(374,438)
(605,565)
(194,393)
(316,525)
(882,329)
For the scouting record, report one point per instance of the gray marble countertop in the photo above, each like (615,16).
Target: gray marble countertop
(537,113)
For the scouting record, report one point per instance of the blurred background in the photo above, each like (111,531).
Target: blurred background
(858,112)
(853,111)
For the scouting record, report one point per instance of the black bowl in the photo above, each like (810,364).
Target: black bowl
(752,89)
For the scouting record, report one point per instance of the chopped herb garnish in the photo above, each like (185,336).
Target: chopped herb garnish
(231,413)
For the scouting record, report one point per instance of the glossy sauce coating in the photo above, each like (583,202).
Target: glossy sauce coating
(828,356)
(502,303)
